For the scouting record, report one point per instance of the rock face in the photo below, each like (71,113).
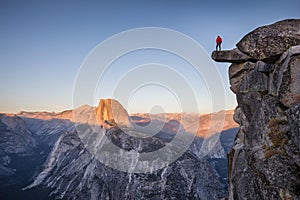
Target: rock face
(71,172)
(264,163)
(111,113)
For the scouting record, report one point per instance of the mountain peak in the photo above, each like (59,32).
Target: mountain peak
(111,113)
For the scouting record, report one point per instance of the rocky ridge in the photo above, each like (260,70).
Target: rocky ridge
(264,163)
(73,171)
(68,166)
(188,120)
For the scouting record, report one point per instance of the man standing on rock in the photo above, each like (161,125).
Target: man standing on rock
(219,42)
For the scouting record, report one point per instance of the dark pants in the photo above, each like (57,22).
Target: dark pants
(218,45)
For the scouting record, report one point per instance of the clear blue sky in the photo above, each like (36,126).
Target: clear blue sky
(43,43)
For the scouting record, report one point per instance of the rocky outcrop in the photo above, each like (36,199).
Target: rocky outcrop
(269,42)
(285,82)
(264,163)
(234,56)
(111,113)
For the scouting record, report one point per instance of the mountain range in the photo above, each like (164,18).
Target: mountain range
(44,154)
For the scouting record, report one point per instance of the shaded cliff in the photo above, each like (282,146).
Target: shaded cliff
(264,162)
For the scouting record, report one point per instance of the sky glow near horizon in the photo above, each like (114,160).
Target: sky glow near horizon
(154,95)
(43,45)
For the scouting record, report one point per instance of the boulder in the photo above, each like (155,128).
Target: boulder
(269,42)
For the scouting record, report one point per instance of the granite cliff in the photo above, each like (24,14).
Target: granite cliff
(111,113)
(264,162)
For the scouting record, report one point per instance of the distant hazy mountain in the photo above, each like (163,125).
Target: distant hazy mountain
(189,121)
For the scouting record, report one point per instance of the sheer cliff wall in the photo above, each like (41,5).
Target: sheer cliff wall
(264,162)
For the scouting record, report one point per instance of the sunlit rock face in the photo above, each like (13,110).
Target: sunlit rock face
(111,113)
(264,163)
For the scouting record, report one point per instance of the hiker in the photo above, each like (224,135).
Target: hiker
(219,42)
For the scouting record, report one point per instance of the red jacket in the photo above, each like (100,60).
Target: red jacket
(219,39)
